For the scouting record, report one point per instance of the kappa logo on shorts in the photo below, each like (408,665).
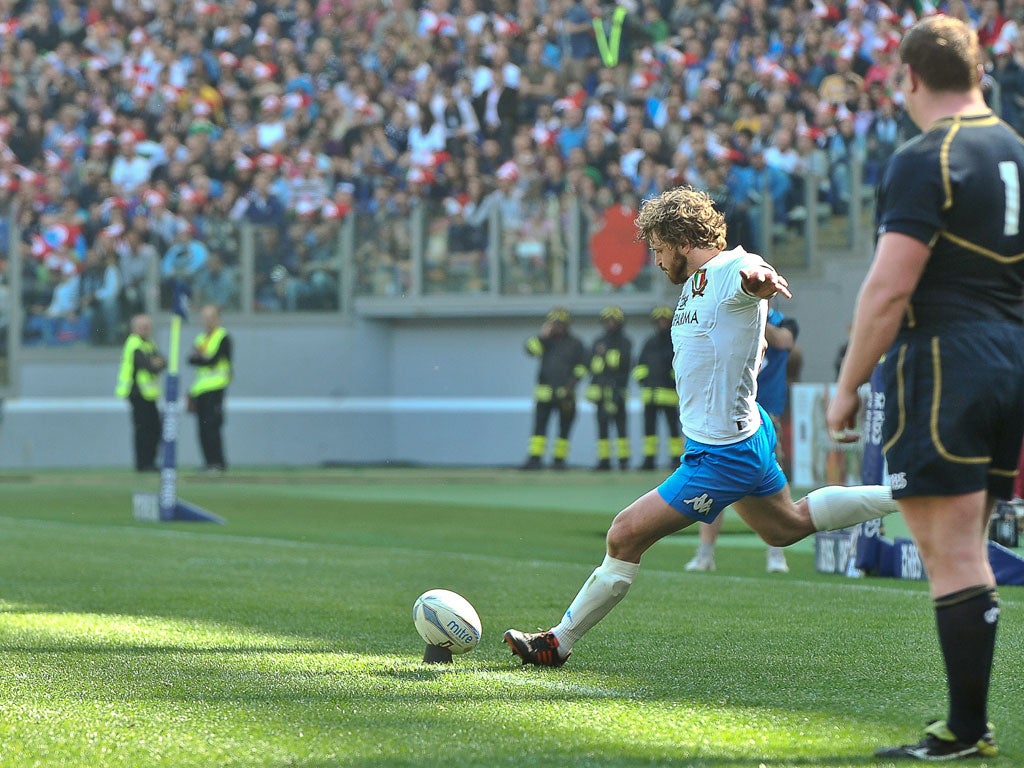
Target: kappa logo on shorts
(701,504)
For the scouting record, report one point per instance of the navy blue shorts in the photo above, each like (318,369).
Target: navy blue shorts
(954,409)
(711,477)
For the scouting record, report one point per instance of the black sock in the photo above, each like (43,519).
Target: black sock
(966,621)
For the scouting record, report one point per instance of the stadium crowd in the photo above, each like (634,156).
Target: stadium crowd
(137,134)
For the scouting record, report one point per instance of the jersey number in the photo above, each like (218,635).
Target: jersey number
(1011,181)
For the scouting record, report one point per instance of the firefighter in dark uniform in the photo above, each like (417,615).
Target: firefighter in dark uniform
(137,381)
(658,393)
(563,362)
(611,358)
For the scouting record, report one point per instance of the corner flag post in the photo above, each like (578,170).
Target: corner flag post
(171,507)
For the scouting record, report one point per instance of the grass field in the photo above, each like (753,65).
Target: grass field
(284,638)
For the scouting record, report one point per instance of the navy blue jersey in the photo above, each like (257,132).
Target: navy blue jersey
(772,381)
(957,188)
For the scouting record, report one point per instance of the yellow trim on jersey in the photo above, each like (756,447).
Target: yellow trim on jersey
(934,419)
(968,245)
(900,391)
(947,186)
(974,120)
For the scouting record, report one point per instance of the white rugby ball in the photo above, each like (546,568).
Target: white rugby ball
(447,620)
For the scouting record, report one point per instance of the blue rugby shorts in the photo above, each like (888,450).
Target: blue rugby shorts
(711,477)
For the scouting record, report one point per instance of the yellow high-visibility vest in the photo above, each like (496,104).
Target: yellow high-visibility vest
(211,377)
(127,375)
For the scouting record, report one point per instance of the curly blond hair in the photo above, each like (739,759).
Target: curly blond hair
(683,216)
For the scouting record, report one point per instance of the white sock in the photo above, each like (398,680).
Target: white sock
(705,550)
(836,506)
(607,585)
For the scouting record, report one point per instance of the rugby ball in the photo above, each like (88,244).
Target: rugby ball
(447,620)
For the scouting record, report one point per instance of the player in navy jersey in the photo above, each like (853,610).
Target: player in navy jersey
(942,303)
(718,336)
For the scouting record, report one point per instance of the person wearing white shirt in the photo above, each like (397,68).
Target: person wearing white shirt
(130,170)
(718,340)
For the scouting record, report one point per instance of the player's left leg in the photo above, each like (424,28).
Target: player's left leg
(951,537)
(780,521)
(770,510)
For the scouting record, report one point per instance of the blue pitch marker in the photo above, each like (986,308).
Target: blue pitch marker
(169,507)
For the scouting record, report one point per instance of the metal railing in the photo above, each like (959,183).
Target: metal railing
(507,254)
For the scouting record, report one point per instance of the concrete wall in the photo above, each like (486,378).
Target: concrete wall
(308,391)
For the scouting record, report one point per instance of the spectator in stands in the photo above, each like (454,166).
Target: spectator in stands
(340,83)
(260,205)
(138,260)
(497,109)
(1009,75)
(218,231)
(67,137)
(100,293)
(880,141)
(845,147)
(129,170)
(781,156)
(183,259)
(313,282)
(837,87)
(57,321)
(576,22)
(216,284)
(573,132)
(539,82)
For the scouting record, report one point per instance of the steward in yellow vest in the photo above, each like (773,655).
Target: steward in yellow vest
(211,355)
(137,381)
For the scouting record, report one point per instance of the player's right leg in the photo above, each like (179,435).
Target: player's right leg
(641,524)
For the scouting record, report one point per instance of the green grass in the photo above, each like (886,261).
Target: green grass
(285,638)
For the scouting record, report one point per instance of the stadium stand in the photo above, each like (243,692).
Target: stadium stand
(316,152)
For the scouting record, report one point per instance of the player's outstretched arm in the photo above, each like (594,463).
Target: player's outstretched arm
(764,282)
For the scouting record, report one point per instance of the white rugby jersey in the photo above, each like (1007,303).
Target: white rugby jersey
(717,332)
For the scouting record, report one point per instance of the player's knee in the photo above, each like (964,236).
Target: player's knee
(621,539)
(779,538)
(786,531)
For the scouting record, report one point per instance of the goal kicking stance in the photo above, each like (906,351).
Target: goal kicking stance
(729,459)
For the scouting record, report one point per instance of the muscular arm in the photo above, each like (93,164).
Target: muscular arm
(881,305)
